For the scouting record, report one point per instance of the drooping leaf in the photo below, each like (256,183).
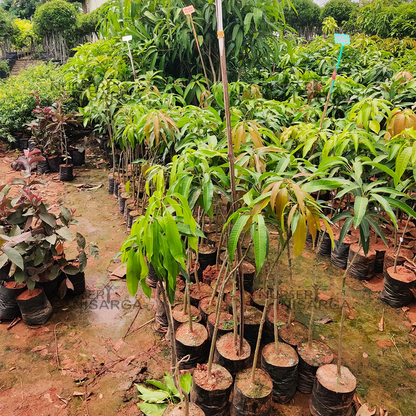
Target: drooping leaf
(360,208)
(299,236)
(14,257)
(235,235)
(260,237)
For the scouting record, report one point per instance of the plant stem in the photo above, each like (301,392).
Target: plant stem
(217,320)
(234,307)
(291,278)
(217,283)
(310,329)
(400,243)
(257,350)
(174,365)
(224,78)
(340,339)
(344,277)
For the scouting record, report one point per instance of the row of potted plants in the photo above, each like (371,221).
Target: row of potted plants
(33,265)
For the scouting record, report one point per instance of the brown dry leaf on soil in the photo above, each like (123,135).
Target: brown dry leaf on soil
(39,348)
(325,297)
(366,410)
(381,324)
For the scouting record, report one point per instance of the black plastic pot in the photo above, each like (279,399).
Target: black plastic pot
(4,272)
(34,307)
(42,166)
(50,287)
(9,309)
(193,343)
(206,393)
(66,173)
(110,184)
(24,143)
(333,395)
(282,367)
(78,281)
(78,158)
(54,162)
(152,279)
(252,399)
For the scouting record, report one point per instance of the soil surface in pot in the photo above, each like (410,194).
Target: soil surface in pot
(29,294)
(193,338)
(262,386)
(230,351)
(220,378)
(285,356)
(226,321)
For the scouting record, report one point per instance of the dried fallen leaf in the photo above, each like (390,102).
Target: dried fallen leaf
(365,355)
(325,321)
(366,410)
(77,394)
(381,324)
(324,297)
(118,344)
(325,266)
(39,348)
(405,309)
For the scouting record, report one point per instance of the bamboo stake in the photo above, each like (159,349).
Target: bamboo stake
(340,339)
(199,51)
(223,62)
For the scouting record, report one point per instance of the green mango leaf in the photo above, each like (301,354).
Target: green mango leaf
(152,396)
(260,237)
(402,161)
(133,272)
(152,409)
(170,383)
(208,192)
(186,382)
(360,208)
(235,235)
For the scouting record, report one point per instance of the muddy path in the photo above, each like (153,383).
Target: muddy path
(80,353)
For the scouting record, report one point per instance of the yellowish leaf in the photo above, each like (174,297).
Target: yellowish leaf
(299,236)
(281,202)
(330,233)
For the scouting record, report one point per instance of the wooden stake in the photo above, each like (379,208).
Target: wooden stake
(223,62)
(199,51)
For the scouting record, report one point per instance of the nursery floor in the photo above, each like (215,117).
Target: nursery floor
(80,353)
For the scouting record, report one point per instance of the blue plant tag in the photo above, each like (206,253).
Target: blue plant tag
(342,39)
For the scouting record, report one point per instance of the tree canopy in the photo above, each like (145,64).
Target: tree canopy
(340,10)
(307,15)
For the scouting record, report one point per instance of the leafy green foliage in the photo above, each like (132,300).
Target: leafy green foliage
(17,98)
(55,16)
(340,10)
(155,401)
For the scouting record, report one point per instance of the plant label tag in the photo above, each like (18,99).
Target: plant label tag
(188,10)
(342,39)
(127,38)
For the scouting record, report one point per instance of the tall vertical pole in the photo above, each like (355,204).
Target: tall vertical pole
(223,61)
(131,60)
(200,53)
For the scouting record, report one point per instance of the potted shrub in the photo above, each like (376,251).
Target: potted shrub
(32,243)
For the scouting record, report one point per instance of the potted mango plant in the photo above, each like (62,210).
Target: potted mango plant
(162,237)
